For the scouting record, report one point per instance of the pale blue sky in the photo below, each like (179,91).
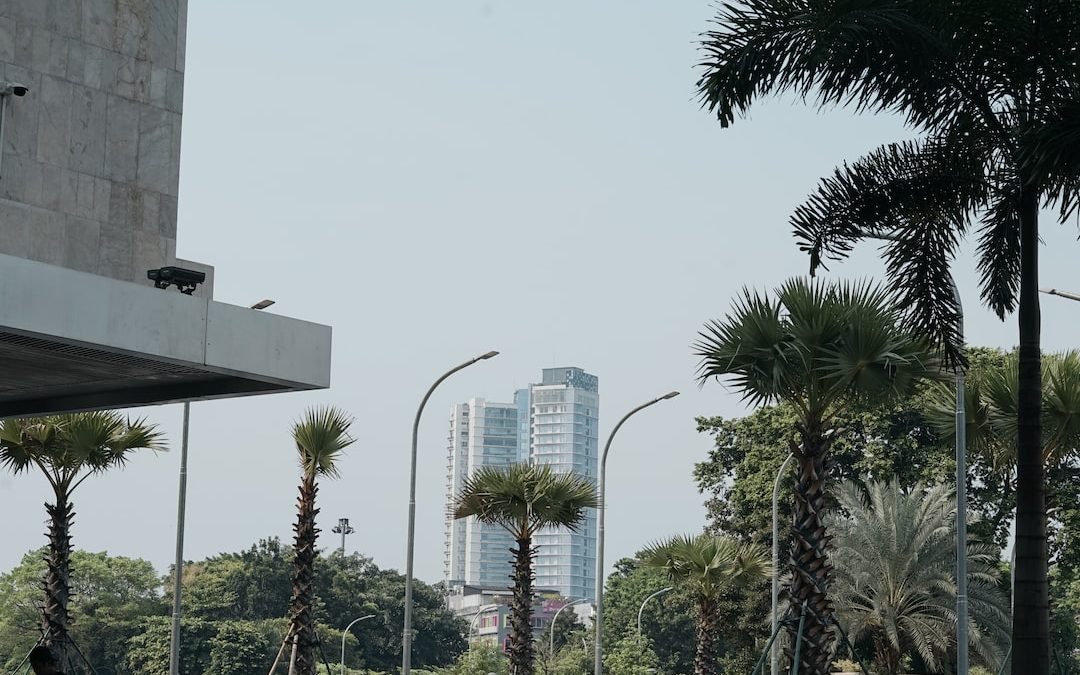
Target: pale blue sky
(437,179)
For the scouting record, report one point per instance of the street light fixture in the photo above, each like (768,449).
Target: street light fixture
(406,633)
(181,510)
(345,634)
(343,528)
(551,642)
(642,607)
(961,486)
(598,657)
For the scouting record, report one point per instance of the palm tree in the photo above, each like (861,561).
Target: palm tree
(895,579)
(993,87)
(524,498)
(68,449)
(817,347)
(320,438)
(991,411)
(708,565)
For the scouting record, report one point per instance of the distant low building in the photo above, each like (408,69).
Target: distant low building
(487,611)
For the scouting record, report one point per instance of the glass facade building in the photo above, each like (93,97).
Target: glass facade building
(554,422)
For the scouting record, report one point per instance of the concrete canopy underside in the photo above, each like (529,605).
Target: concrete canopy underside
(75,341)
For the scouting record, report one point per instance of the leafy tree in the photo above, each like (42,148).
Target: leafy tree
(68,449)
(479,660)
(110,596)
(568,629)
(895,578)
(320,438)
(993,87)
(631,655)
(706,565)
(238,649)
(667,620)
(574,660)
(523,499)
(148,651)
(817,347)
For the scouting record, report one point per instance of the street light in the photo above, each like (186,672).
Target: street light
(598,658)
(345,634)
(961,486)
(551,643)
(642,608)
(1063,294)
(472,621)
(406,633)
(775,652)
(181,510)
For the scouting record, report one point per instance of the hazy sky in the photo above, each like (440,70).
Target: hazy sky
(436,179)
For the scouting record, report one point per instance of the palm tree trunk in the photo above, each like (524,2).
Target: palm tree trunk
(1031,605)
(56,621)
(810,568)
(521,641)
(705,650)
(302,603)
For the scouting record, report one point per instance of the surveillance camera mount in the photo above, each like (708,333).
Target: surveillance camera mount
(8,89)
(185,280)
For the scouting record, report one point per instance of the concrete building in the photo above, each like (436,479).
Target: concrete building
(554,422)
(89,178)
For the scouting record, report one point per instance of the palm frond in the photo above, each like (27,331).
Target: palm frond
(999,252)
(707,564)
(762,47)
(522,498)
(321,436)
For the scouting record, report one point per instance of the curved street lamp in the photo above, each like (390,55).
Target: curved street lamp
(598,658)
(406,633)
(775,655)
(345,634)
(472,621)
(551,642)
(642,608)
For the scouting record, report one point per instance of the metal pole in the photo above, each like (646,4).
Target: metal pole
(798,641)
(961,506)
(551,642)
(406,633)
(642,608)
(345,634)
(178,567)
(774,655)
(598,648)
(3,117)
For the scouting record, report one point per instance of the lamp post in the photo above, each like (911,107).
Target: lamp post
(598,657)
(551,642)
(642,608)
(181,510)
(406,633)
(472,621)
(345,634)
(961,485)
(775,651)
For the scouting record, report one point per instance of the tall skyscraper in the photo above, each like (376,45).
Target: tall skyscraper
(554,422)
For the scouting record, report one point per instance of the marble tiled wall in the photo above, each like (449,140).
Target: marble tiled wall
(91,154)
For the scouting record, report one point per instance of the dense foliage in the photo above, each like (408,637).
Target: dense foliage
(234,613)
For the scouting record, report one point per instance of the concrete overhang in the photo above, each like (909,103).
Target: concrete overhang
(75,341)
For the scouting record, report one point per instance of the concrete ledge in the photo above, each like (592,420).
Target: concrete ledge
(76,341)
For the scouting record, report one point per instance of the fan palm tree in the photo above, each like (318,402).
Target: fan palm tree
(993,87)
(817,347)
(708,565)
(895,581)
(523,499)
(320,437)
(991,404)
(68,449)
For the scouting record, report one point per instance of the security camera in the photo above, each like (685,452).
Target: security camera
(184,280)
(9,88)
